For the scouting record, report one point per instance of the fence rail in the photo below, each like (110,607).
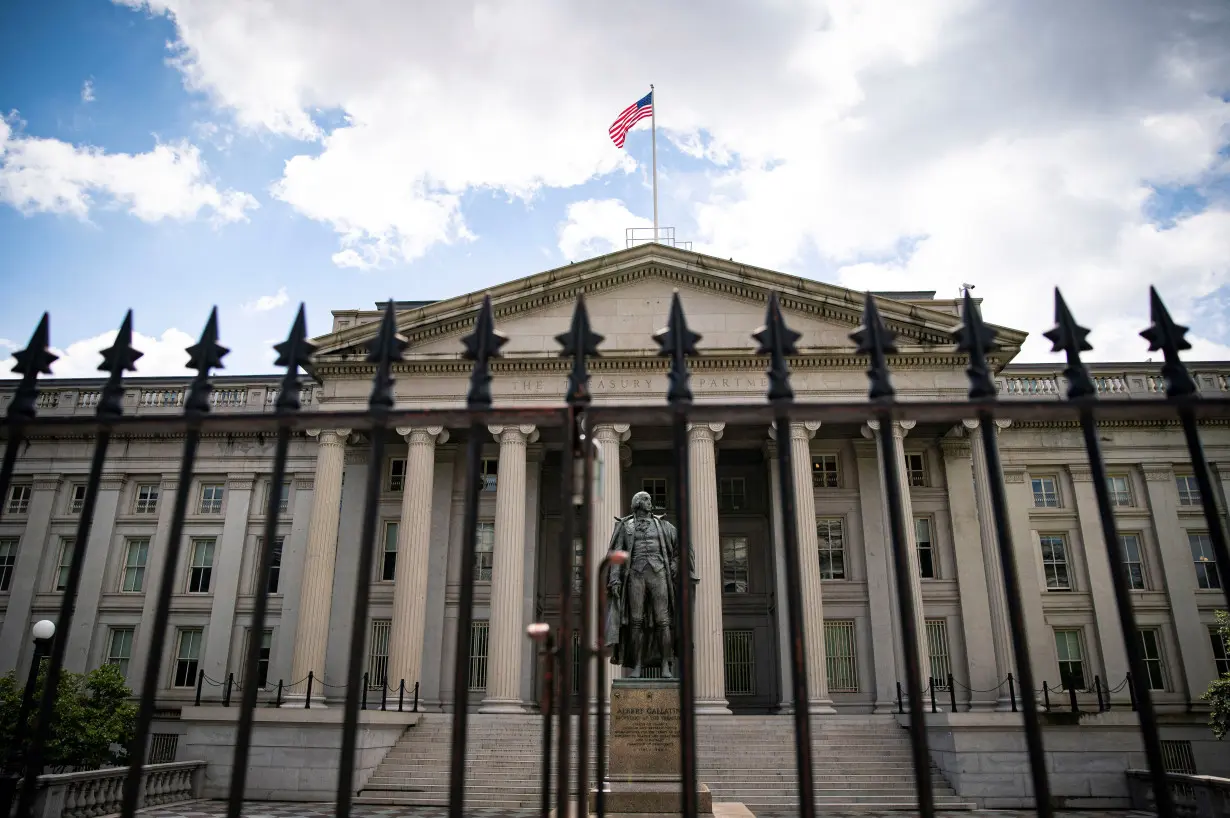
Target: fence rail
(190,412)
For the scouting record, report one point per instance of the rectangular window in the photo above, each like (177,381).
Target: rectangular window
(916,466)
(1189,489)
(201,567)
(187,657)
(283,497)
(824,473)
(275,564)
(926,551)
(211,499)
(841,655)
(484,552)
(1132,561)
(1046,492)
(832,548)
(76,498)
(1120,490)
(734,565)
(1221,651)
(119,649)
(1151,652)
(1055,562)
(739,656)
(1071,658)
(262,658)
(655,487)
(378,653)
(1177,757)
(388,558)
(490,473)
(147,499)
(397,474)
(8,558)
(135,555)
(578,557)
(1202,556)
(19,498)
(66,562)
(937,650)
(478,656)
(732,494)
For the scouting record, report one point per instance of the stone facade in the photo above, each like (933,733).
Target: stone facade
(850,602)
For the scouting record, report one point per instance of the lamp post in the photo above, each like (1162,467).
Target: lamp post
(15,761)
(540,632)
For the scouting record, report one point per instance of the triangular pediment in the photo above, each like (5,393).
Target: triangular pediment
(628,296)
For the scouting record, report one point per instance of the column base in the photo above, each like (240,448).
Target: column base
(712,707)
(502,706)
(291,701)
(785,709)
(821,707)
(884,709)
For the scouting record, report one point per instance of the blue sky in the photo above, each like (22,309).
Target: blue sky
(837,167)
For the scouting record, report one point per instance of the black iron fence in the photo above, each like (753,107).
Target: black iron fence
(574,417)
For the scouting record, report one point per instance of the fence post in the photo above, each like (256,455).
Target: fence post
(226,694)
(931,686)
(363,704)
(1097,685)
(279,704)
(900,710)
(416,697)
(384,690)
(1046,695)
(952,694)
(1012,691)
(401,694)
(1109,701)
(200,681)
(1131,691)
(307,700)
(1072,695)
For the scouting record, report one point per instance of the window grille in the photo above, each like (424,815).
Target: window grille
(187,657)
(478,655)
(147,499)
(396,480)
(1071,656)
(1120,489)
(937,650)
(388,557)
(162,748)
(732,494)
(1151,652)
(1046,492)
(734,565)
(76,498)
(484,551)
(490,473)
(283,497)
(1132,561)
(19,499)
(8,558)
(1055,562)
(119,649)
(841,655)
(1177,757)
(378,653)
(201,568)
(1202,555)
(135,556)
(831,545)
(916,467)
(211,499)
(824,472)
(740,658)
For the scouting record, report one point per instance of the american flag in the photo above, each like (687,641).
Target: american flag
(631,115)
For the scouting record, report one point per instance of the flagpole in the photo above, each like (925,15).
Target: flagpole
(653,122)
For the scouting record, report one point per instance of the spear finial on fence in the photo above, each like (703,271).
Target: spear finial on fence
(876,340)
(204,355)
(294,353)
(481,346)
(384,350)
(34,360)
(975,338)
(777,341)
(1069,337)
(1170,338)
(118,358)
(677,342)
(579,342)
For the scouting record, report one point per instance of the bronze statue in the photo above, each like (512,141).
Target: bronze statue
(641,603)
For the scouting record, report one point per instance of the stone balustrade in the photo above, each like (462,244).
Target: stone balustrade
(157,398)
(95,793)
(1030,382)
(1202,796)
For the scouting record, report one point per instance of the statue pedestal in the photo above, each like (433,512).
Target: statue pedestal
(643,759)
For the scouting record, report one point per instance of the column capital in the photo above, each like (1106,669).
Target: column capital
(1158,474)
(705,431)
(799,430)
(514,434)
(612,432)
(423,434)
(1000,424)
(900,428)
(330,437)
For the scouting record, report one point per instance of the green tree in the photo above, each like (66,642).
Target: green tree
(1218,694)
(94,720)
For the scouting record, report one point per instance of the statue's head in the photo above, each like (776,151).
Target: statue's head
(641,501)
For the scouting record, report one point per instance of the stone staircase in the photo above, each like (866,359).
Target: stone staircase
(860,763)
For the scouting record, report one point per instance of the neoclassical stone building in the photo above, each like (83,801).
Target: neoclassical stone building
(851,618)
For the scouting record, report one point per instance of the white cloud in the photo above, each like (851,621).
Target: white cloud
(1009,143)
(168,182)
(164,355)
(87,91)
(268,302)
(596,226)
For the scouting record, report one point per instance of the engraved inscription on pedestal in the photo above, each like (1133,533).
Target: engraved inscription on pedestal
(644,730)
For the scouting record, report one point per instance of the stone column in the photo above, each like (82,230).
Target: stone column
(1097,563)
(97,555)
(159,545)
(413,542)
(316,594)
(607,506)
(997,600)
(809,566)
(15,637)
(506,630)
(900,429)
(882,601)
(707,614)
(1038,635)
(1196,659)
(224,585)
(981,656)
